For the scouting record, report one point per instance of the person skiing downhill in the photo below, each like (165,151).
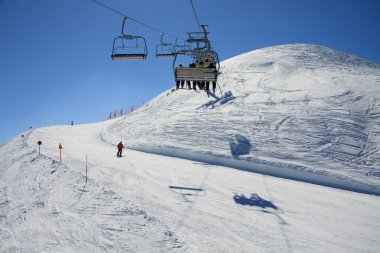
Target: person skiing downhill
(120,147)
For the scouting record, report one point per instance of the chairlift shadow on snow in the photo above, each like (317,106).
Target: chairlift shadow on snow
(185,192)
(213,95)
(258,201)
(227,97)
(254,200)
(240,146)
(267,207)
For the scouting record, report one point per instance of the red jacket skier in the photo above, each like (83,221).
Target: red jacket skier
(120,147)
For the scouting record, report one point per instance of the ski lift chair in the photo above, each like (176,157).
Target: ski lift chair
(182,49)
(123,50)
(207,73)
(120,51)
(164,49)
(201,53)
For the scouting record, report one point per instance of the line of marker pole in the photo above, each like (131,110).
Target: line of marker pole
(60,154)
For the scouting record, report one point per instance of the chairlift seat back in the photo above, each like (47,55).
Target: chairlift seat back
(128,56)
(196,74)
(163,55)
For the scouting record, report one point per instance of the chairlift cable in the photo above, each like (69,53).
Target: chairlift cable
(195,14)
(135,20)
(109,8)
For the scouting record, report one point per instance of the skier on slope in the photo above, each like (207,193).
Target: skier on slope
(120,147)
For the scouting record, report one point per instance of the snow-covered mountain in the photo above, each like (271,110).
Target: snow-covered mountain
(301,112)
(298,107)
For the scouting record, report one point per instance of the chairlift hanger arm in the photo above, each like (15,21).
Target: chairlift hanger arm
(162,43)
(130,37)
(122,26)
(205,34)
(216,56)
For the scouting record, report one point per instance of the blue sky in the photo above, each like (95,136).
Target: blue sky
(55,54)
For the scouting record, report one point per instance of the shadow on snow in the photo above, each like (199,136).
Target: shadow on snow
(227,97)
(254,200)
(241,146)
(185,192)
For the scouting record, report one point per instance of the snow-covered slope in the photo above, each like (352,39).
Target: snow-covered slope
(303,107)
(295,111)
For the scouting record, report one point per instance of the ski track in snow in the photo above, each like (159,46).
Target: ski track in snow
(61,216)
(296,111)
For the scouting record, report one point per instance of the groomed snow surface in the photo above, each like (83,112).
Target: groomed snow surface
(283,158)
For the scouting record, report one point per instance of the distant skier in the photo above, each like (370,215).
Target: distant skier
(120,147)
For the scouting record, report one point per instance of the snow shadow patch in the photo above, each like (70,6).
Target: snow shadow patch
(187,192)
(185,188)
(240,146)
(254,200)
(227,97)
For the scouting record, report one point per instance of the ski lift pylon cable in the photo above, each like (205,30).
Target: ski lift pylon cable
(135,20)
(195,14)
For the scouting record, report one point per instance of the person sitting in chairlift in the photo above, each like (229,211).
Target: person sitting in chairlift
(194,85)
(207,63)
(199,84)
(207,87)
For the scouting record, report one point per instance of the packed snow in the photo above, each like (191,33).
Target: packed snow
(185,182)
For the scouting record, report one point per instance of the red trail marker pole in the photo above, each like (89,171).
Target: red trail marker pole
(39,147)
